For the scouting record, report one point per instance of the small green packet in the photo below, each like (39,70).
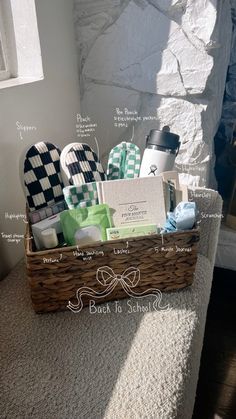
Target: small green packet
(83,226)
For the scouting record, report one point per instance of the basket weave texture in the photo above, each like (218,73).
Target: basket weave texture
(165,263)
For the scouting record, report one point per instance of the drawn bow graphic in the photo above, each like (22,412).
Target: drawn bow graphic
(108,279)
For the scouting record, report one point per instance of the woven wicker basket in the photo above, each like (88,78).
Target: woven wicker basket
(164,262)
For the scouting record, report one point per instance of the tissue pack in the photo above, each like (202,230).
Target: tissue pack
(84,226)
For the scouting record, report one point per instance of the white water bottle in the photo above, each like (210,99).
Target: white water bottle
(159,155)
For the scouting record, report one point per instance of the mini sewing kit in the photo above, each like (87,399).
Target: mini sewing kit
(113,233)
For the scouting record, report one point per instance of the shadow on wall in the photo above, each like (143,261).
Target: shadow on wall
(3,268)
(120,47)
(12,229)
(148,63)
(224,168)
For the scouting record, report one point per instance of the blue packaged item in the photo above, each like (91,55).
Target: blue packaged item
(182,218)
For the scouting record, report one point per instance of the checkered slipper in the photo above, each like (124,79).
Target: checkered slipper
(81,196)
(42,177)
(83,165)
(124,162)
(64,170)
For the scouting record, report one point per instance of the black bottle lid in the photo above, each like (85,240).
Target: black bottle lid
(164,138)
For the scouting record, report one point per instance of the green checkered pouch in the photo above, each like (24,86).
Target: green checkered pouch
(124,162)
(81,196)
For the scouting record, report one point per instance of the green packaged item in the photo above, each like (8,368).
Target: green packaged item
(120,233)
(83,226)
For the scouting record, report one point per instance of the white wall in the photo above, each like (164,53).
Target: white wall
(166,60)
(50,105)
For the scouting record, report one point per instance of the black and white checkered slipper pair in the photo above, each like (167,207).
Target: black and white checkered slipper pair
(47,171)
(42,176)
(80,165)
